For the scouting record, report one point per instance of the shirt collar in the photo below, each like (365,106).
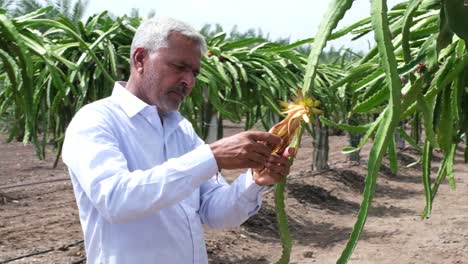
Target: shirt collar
(133,105)
(129,103)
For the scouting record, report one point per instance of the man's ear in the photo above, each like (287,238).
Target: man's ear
(139,57)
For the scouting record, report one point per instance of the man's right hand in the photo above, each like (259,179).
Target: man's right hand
(249,149)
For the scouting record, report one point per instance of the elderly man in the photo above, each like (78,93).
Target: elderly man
(144,181)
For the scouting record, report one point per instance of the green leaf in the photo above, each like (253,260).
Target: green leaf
(456,12)
(426,167)
(218,38)
(411,94)
(272,105)
(240,43)
(369,79)
(335,12)
(387,126)
(407,21)
(409,139)
(281,48)
(349,150)
(392,155)
(83,44)
(372,102)
(40,12)
(355,74)
(445,126)
(450,160)
(445,35)
(220,68)
(214,98)
(449,71)
(427,109)
(346,127)
(25,64)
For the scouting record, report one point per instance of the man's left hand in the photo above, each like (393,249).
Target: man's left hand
(276,168)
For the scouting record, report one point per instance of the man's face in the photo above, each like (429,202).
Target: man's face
(169,73)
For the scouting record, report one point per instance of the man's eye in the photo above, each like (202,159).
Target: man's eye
(179,67)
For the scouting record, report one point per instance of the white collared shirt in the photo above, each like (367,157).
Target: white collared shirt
(144,189)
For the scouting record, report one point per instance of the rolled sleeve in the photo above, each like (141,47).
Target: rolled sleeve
(252,194)
(228,206)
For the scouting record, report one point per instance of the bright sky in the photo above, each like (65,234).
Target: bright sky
(297,19)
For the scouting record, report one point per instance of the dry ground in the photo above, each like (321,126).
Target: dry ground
(38,214)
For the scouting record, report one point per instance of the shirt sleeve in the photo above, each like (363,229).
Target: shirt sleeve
(228,206)
(91,152)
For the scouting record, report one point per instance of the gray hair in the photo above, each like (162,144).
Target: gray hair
(152,34)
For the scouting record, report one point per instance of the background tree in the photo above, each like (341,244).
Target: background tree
(74,11)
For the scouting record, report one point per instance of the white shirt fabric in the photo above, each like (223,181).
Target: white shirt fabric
(144,188)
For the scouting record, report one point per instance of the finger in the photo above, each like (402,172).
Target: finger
(275,177)
(261,182)
(266,181)
(259,171)
(254,165)
(269,138)
(272,178)
(277,168)
(289,152)
(277,159)
(261,149)
(256,157)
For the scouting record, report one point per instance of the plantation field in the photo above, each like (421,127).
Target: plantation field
(38,213)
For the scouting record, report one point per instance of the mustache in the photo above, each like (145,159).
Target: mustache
(183,89)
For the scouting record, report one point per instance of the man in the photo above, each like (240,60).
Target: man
(143,180)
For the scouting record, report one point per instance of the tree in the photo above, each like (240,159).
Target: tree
(72,11)
(135,13)
(6,4)
(426,43)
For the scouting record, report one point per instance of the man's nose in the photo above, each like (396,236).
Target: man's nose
(188,80)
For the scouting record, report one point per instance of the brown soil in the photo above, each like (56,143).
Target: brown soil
(38,214)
